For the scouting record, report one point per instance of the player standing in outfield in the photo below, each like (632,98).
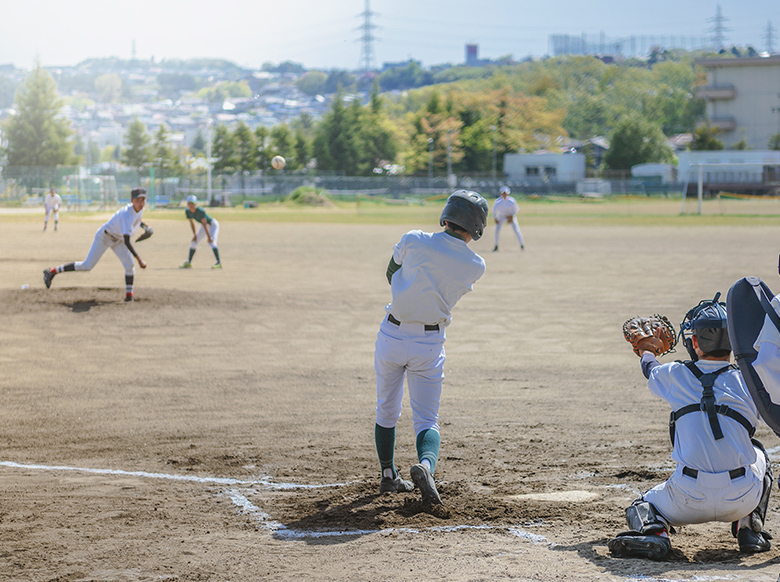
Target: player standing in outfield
(114,234)
(428,274)
(209,228)
(52,203)
(505,211)
(722,472)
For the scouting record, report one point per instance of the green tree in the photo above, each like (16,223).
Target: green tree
(198,143)
(137,150)
(7,91)
(263,161)
(705,138)
(223,150)
(312,83)
(774,142)
(302,150)
(37,135)
(336,139)
(637,141)
(282,143)
(166,158)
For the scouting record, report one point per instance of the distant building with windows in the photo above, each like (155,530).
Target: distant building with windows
(743,98)
(544,167)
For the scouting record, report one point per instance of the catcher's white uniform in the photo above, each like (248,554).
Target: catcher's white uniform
(715,480)
(505,211)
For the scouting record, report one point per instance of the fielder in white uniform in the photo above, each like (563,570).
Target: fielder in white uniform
(722,472)
(209,229)
(428,274)
(52,203)
(115,235)
(505,211)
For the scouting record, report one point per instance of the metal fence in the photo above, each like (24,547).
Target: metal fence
(108,185)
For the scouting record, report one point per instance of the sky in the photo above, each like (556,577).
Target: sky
(327,33)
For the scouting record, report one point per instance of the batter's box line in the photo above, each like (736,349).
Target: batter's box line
(264,482)
(281,531)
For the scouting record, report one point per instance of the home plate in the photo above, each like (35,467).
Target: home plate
(573,496)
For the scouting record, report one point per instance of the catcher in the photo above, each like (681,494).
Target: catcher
(722,472)
(505,211)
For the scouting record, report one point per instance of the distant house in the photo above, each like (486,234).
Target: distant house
(544,167)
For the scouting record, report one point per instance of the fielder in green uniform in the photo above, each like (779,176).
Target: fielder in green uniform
(209,228)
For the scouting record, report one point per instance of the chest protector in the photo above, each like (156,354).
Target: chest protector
(708,405)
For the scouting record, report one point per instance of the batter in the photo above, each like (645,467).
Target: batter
(115,235)
(428,274)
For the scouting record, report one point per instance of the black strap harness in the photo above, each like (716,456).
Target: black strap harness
(708,404)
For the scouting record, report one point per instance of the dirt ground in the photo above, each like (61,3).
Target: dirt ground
(221,427)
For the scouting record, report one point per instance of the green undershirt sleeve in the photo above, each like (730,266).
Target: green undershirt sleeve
(392,267)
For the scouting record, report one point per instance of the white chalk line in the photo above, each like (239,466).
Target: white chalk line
(264,520)
(264,482)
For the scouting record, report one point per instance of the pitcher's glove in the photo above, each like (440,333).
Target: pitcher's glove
(146,233)
(653,334)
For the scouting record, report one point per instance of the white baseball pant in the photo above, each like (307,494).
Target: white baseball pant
(102,242)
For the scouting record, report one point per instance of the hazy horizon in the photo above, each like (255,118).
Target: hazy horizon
(327,35)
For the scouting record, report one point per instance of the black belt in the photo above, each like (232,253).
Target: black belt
(394,321)
(734,473)
(111,236)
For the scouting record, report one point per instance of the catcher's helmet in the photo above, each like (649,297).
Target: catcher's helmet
(468,210)
(137,193)
(709,323)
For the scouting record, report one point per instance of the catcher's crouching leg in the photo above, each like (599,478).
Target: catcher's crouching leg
(647,536)
(754,539)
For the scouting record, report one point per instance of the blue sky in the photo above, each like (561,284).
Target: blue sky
(326,33)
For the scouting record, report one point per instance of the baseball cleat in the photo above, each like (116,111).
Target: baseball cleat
(636,545)
(423,478)
(186,265)
(129,297)
(47,277)
(751,542)
(216,266)
(495,249)
(397,485)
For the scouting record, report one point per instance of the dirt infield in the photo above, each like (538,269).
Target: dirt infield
(221,427)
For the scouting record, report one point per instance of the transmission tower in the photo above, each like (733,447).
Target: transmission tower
(367,39)
(769,37)
(718,30)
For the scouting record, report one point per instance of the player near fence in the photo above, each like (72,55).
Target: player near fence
(428,273)
(115,235)
(209,229)
(722,473)
(52,203)
(505,211)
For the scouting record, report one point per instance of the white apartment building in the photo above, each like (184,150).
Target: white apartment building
(743,98)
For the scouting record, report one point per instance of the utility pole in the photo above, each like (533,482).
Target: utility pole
(367,39)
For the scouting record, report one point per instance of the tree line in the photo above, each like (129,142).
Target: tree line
(467,123)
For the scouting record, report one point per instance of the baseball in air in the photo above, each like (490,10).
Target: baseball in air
(278,162)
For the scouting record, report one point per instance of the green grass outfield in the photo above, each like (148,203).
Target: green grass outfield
(533,212)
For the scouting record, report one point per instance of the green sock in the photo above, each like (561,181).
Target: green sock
(216,253)
(428,442)
(192,254)
(385,448)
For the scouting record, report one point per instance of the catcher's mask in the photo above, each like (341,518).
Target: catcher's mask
(709,323)
(468,210)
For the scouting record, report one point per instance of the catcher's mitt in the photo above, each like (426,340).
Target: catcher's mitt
(146,233)
(654,334)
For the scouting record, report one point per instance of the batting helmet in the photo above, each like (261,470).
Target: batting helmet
(468,210)
(708,321)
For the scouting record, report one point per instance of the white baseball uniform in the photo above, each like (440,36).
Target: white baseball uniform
(715,480)
(436,271)
(125,221)
(52,203)
(505,211)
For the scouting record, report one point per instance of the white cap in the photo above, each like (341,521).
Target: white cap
(192,198)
